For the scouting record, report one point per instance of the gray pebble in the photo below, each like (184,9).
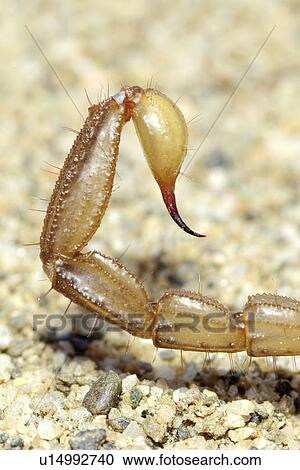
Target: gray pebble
(109,446)
(119,424)
(264,410)
(255,419)
(66,379)
(103,394)
(3,437)
(135,397)
(182,433)
(15,443)
(88,440)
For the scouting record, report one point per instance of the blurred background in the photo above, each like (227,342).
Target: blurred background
(241,188)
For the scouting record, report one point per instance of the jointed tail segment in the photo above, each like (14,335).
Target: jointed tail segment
(269,325)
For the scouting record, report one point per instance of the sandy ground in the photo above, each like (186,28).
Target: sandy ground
(241,190)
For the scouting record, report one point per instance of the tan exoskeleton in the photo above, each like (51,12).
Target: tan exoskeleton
(269,325)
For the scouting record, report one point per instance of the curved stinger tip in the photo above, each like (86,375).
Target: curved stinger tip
(170,202)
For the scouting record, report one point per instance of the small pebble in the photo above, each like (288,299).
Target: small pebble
(182,433)
(180,393)
(47,430)
(265,409)
(161,383)
(129,382)
(16,443)
(6,337)
(167,412)
(135,396)
(153,429)
(79,415)
(119,424)
(145,389)
(6,368)
(237,435)
(255,419)
(108,446)
(3,437)
(103,393)
(263,444)
(46,408)
(66,379)
(87,440)
(192,443)
(240,407)
(133,430)
(156,391)
(235,421)
(214,425)
(209,394)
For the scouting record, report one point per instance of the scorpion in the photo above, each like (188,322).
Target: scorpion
(268,325)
